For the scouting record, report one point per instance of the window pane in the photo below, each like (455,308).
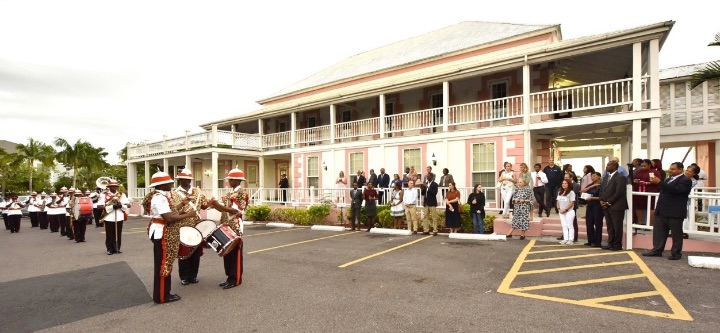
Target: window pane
(713,92)
(487,180)
(680,95)
(356,163)
(696,97)
(483,157)
(665,97)
(411,158)
(312,166)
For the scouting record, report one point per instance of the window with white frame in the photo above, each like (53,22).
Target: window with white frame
(483,168)
(313,172)
(357,162)
(436,103)
(412,158)
(499,90)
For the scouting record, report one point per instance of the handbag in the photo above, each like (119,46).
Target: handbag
(460,208)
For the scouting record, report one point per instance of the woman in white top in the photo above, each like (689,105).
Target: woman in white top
(340,185)
(507,182)
(566,207)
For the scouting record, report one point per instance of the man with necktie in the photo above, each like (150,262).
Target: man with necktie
(356,197)
(614,204)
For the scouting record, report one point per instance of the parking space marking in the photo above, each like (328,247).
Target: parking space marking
(303,242)
(565,250)
(270,232)
(382,252)
(660,290)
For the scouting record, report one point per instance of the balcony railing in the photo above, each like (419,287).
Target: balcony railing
(586,100)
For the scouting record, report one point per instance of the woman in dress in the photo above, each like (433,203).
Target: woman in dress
(692,172)
(641,184)
(412,175)
(476,199)
(657,165)
(566,209)
(586,179)
(452,208)
(340,186)
(370,196)
(593,212)
(507,182)
(523,206)
(525,173)
(397,208)
(396,179)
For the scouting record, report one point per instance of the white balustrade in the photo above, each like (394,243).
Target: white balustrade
(276,140)
(494,109)
(313,134)
(584,97)
(357,128)
(414,120)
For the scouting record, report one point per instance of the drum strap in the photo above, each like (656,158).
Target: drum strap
(157,220)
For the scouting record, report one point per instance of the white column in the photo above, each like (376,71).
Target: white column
(382,116)
(215,176)
(636,143)
(714,174)
(332,123)
(527,143)
(166,165)
(188,163)
(261,172)
(637,77)
(131,178)
(293,128)
(261,131)
(187,140)
(625,151)
(654,76)
(147,174)
(446,104)
(214,136)
(653,138)
(232,128)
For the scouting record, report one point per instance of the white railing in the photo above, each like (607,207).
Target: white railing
(138,193)
(584,97)
(313,134)
(276,140)
(239,140)
(357,128)
(698,222)
(414,120)
(494,109)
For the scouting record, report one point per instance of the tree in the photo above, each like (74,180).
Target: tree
(711,70)
(35,151)
(8,165)
(81,154)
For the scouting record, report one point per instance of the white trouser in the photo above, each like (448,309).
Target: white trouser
(506,195)
(566,221)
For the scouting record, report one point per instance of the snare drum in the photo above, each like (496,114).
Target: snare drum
(190,238)
(206,227)
(222,240)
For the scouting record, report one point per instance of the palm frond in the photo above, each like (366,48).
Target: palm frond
(710,72)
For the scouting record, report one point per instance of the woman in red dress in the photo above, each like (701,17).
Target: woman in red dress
(641,183)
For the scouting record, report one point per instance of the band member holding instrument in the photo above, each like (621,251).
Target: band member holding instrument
(61,212)
(232,207)
(82,215)
(97,212)
(68,221)
(3,206)
(115,205)
(164,231)
(14,213)
(31,204)
(41,205)
(188,268)
(54,211)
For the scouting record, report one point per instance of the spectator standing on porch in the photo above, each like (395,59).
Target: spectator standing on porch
(554,176)
(539,181)
(340,186)
(476,199)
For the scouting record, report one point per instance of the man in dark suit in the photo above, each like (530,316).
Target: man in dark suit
(614,204)
(373,178)
(670,212)
(554,177)
(361,178)
(356,199)
(284,184)
(383,183)
(430,206)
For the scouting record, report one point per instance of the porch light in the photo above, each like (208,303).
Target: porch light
(434,159)
(208,172)
(324,166)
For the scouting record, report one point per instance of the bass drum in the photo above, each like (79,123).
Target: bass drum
(206,227)
(190,239)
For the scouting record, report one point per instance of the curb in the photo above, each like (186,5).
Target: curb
(490,237)
(327,228)
(280,225)
(704,262)
(390,231)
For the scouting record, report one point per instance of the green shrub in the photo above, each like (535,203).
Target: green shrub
(316,214)
(384,218)
(258,213)
(489,223)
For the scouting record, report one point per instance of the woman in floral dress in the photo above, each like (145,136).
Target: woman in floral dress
(523,205)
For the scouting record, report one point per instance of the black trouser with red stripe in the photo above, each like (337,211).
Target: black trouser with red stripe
(188,268)
(33,219)
(14,221)
(233,263)
(64,223)
(97,214)
(55,221)
(161,284)
(111,236)
(7,222)
(69,223)
(42,220)
(80,226)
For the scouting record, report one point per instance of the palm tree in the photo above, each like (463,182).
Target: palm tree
(711,70)
(78,155)
(8,163)
(35,151)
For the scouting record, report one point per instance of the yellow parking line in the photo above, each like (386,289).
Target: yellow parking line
(382,252)
(567,249)
(578,256)
(582,282)
(510,277)
(615,298)
(670,299)
(550,270)
(555,245)
(270,232)
(298,243)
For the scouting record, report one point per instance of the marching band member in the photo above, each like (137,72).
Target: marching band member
(164,231)
(4,205)
(69,202)
(33,209)
(42,210)
(54,212)
(82,215)
(97,212)
(188,268)
(232,208)
(14,214)
(115,205)
(61,213)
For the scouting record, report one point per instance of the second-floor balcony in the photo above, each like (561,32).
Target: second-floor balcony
(588,100)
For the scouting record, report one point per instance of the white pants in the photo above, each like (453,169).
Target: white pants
(566,221)
(506,195)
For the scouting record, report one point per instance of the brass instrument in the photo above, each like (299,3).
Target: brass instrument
(114,201)
(102,182)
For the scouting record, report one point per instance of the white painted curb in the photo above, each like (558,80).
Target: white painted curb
(704,262)
(328,227)
(390,231)
(478,236)
(248,222)
(280,225)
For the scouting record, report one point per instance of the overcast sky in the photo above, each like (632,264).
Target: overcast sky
(112,72)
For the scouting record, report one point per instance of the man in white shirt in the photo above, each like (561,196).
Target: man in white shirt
(116,205)
(42,204)
(539,179)
(3,207)
(33,209)
(410,199)
(189,267)
(164,232)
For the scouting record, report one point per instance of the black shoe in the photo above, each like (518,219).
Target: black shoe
(426,233)
(118,252)
(434,233)
(560,238)
(223,284)
(547,213)
(109,253)
(414,232)
(522,237)
(229,285)
(194,280)
(173,298)
(607,247)
(79,241)
(675,257)
(595,245)
(686,236)
(588,244)
(616,249)
(652,254)
(184,282)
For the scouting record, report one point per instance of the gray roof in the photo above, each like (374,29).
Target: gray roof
(435,44)
(681,71)
(8,146)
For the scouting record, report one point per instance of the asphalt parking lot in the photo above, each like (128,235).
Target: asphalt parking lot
(301,280)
